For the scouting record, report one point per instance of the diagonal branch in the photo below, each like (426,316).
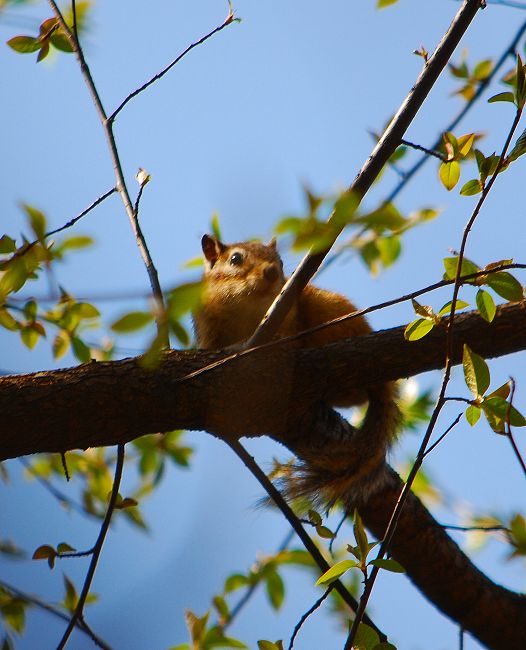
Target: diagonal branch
(372,167)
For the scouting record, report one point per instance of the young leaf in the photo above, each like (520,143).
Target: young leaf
(275,589)
(473,415)
(132,322)
(24,44)
(417,329)
(449,174)
(336,571)
(366,638)
(485,305)
(502,97)
(471,188)
(507,286)
(476,372)
(388,565)
(446,309)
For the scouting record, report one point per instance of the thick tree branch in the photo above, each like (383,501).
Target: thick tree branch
(100,404)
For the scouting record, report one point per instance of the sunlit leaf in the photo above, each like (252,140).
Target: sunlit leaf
(24,44)
(485,305)
(388,565)
(506,285)
(476,372)
(336,571)
(132,322)
(417,329)
(471,188)
(473,414)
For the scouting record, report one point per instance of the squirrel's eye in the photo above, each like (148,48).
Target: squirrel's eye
(236,259)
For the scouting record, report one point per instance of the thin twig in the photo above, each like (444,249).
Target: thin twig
(287,511)
(391,527)
(37,602)
(440,438)
(97,548)
(23,250)
(370,170)
(509,432)
(469,529)
(428,152)
(228,20)
(305,616)
(509,51)
(117,167)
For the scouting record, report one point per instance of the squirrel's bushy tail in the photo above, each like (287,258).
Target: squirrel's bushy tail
(347,464)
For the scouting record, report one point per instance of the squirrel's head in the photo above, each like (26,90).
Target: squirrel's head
(243,268)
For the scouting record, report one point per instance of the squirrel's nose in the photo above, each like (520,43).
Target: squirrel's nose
(271,273)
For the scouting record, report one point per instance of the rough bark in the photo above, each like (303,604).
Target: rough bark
(264,392)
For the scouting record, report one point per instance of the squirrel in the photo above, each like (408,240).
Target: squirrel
(241,281)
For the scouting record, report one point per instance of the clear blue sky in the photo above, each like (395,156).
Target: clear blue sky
(287,97)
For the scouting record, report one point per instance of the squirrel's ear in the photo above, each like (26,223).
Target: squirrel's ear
(272,243)
(212,248)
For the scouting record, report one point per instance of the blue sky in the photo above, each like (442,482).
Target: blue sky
(285,98)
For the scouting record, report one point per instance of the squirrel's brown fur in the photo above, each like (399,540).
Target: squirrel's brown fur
(241,282)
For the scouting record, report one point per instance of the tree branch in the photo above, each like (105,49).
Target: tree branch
(104,403)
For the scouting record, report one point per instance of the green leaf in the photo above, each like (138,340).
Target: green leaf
(275,589)
(502,391)
(24,44)
(215,227)
(465,142)
(482,69)
(476,372)
(388,565)
(389,248)
(235,581)
(506,285)
(84,310)
(360,535)
(37,220)
(449,174)
(471,188)
(502,97)
(485,305)
(366,638)
(80,349)
(63,547)
(14,614)
(315,518)
(446,309)
(70,598)
(473,414)
(73,243)
(269,645)
(451,265)
(29,336)
(500,411)
(60,345)
(7,321)
(7,245)
(336,571)
(60,41)
(14,277)
(520,147)
(132,322)
(184,299)
(324,532)
(418,329)
(381,4)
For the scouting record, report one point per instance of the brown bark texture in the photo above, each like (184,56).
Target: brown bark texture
(272,391)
